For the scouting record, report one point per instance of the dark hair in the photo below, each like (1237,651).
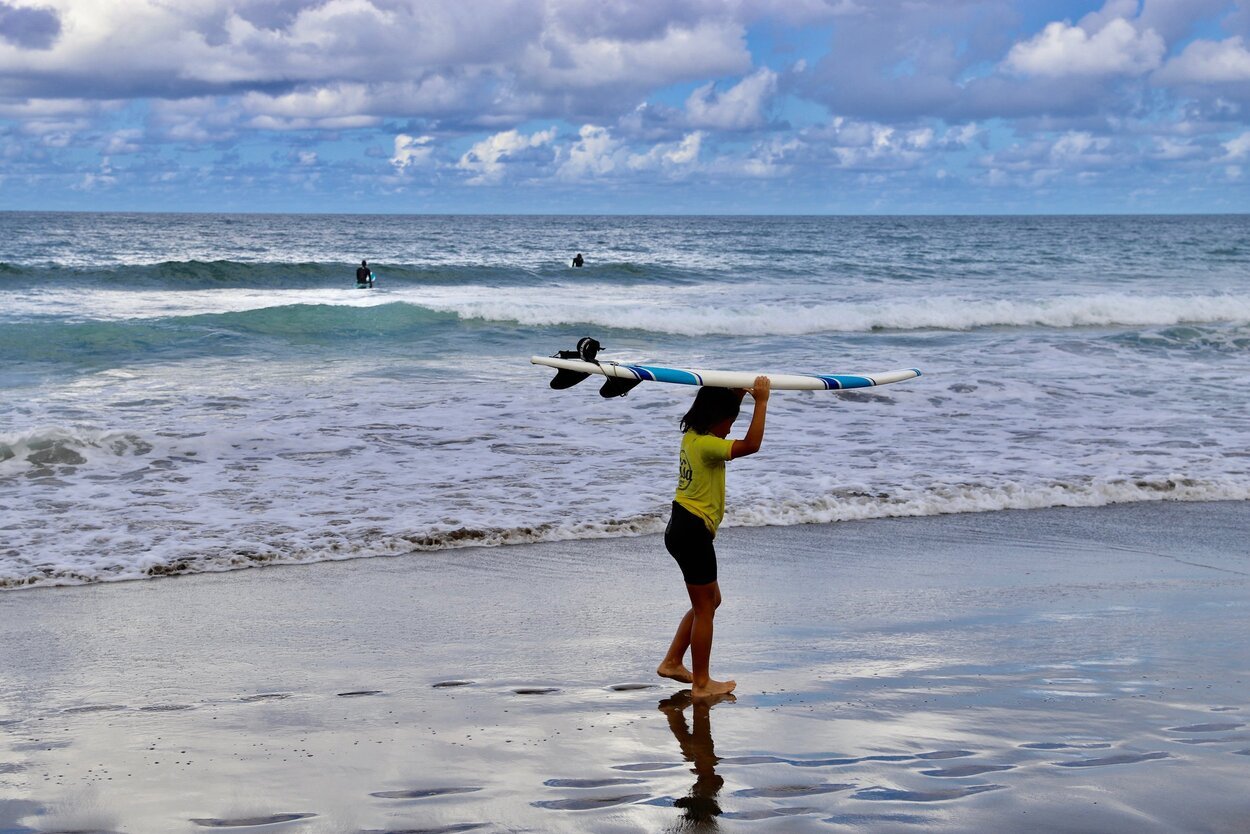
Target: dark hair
(711,405)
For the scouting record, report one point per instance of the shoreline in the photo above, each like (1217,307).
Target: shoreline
(642,525)
(1056,669)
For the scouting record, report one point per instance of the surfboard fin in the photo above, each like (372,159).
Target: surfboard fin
(616,387)
(567,379)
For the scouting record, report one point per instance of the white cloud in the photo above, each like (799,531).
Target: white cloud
(411,151)
(675,158)
(594,154)
(741,106)
(123,141)
(485,160)
(687,151)
(1208,62)
(1173,149)
(103,179)
(1078,144)
(708,48)
(1062,49)
(1238,148)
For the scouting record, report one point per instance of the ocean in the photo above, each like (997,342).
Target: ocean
(184,393)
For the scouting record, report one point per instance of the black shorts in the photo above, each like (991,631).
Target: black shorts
(690,543)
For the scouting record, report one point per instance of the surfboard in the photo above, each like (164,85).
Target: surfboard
(622,377)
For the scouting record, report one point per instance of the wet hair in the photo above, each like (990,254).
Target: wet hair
(711,405)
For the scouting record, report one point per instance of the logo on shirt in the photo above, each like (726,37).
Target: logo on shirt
(685,472)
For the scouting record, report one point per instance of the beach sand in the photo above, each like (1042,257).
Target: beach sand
(1044,670)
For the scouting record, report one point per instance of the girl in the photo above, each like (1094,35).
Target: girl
(697,512)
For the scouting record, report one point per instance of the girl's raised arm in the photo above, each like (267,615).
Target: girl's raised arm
(755,434)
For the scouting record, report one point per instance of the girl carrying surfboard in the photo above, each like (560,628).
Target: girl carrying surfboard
(698,509)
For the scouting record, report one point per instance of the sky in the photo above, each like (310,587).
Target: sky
(608,106)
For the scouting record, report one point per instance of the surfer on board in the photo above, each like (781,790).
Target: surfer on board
(698,509)
(364,276)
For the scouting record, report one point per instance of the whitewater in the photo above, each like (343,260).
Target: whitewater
(190,393)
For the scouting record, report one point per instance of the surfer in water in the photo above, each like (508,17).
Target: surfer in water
(578,260)
(697,512)
(364,276)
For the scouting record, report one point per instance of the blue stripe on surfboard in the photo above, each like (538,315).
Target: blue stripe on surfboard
(665,374)
(840,381)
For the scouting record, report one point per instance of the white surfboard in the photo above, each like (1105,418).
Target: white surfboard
(572,371)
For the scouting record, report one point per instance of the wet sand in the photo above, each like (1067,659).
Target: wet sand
(1058,670)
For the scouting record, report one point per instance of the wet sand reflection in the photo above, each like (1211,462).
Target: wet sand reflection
(699,806)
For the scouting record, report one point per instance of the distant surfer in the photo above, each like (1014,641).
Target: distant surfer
(698,509)
(578,260)
(364,276)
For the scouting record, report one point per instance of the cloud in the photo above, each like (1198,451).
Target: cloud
(674,159)
(29,27)
(1065,50)
(594,154)
(411,150)
(738,108)
(485,160)
(123,142)
(1238,148)
(1208,62)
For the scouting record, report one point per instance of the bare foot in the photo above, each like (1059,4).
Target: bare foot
(674,671)
(712,689)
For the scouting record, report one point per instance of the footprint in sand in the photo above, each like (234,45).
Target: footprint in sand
(590,783)
(869,821)
(166,707)
(786,791)
(752,760)
(646,766)
(451,684)
(360,693)
(845,761)
(264,696)
(455,828)
(1215,739)
(965,770)
(769,813)
(1205,728)
(630,687)
(93,708)
(244,822)
(535,690)
(1123,758)
(588,803)
(896,795)
(422,793)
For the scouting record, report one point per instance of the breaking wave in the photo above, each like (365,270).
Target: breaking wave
(328,545)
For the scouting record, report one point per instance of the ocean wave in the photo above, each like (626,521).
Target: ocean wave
(328,545)
(1189,338)
(65,447)
(93,343)
(226,274)
(681,316)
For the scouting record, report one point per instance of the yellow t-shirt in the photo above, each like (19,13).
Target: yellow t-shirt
(701,476)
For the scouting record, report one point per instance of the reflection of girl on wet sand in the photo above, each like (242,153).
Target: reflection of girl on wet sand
(697,512)
(699,806)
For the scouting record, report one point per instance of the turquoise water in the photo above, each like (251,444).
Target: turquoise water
(207,392)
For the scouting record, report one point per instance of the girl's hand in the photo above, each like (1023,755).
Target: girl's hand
(759,391)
